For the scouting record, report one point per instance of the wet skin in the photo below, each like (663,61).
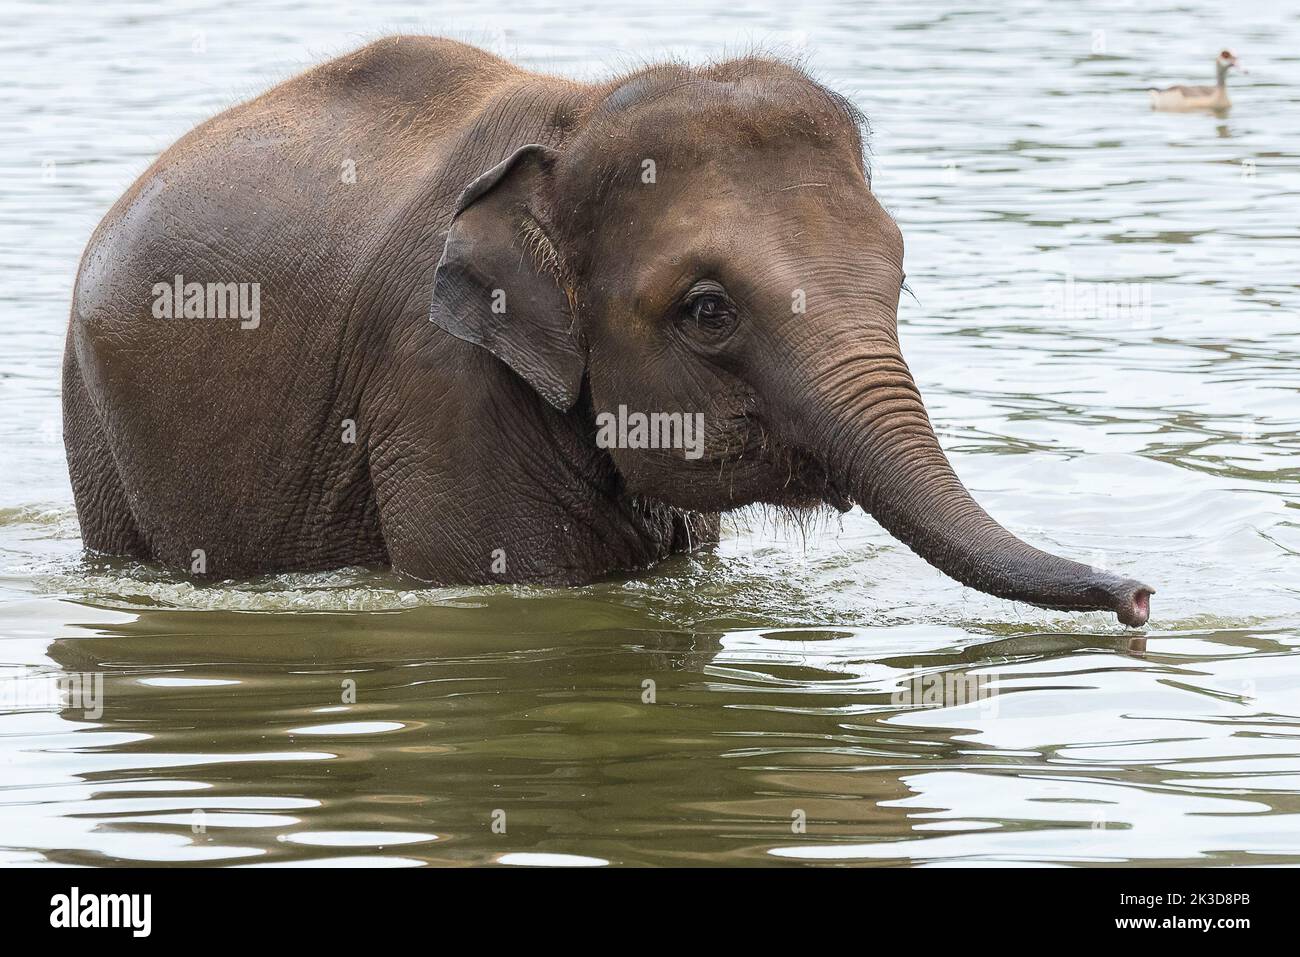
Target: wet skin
(461,265)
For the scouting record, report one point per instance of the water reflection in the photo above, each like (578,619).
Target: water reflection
(814,744)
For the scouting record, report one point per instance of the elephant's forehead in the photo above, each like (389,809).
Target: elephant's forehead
(754,116)
(718,181)
(645,252)
(701,129)
(734,194)
(759,96)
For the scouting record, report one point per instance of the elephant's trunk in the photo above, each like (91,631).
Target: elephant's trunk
(882,449)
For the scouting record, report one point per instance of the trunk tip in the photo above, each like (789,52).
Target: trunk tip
(1133,605)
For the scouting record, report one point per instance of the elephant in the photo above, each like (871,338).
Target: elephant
(382,314)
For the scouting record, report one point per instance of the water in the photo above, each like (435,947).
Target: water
(790,668)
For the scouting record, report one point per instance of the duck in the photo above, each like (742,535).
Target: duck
(1180,99)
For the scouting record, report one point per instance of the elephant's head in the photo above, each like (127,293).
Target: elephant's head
(706,241)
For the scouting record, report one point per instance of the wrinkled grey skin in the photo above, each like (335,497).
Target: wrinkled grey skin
(677,240)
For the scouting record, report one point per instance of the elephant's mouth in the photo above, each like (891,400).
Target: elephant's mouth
(807,483)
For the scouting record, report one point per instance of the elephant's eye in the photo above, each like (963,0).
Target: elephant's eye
(707,310)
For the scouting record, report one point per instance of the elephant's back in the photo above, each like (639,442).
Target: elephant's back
(213,319)
(295,184)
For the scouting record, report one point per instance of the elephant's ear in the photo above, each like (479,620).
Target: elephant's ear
(500,282)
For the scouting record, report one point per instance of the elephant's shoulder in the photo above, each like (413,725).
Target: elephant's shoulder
(409,69)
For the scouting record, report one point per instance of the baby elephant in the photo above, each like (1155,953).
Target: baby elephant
(420,307)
